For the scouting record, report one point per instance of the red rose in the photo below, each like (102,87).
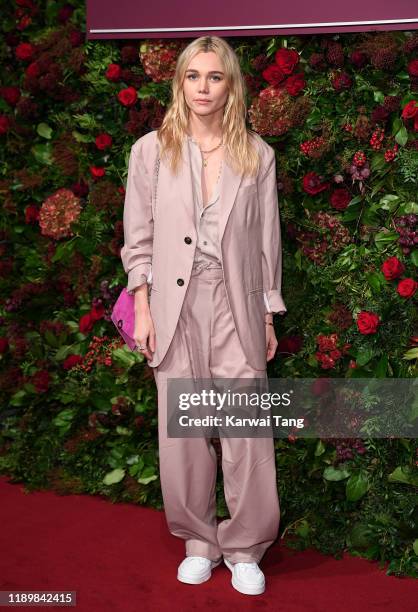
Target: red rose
(392,268)
(97,312)
(312,183)
(86,323)
(410,110)
(5,124)
(71,361)
(4,344)
(97,171)
(31,213)
(286,59)
(113,72)
(413,68)
(10,94)
(367,322)
(294,84)
(340,198)
(24,51)
(33,70)
(407,287)
(273,74)
(128,96)
(103,141)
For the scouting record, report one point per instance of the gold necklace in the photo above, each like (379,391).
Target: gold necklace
(205,159)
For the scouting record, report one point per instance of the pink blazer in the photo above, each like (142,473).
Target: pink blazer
(160,230)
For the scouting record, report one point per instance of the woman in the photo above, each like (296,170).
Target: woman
(202,229)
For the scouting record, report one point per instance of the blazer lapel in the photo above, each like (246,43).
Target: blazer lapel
(182,184)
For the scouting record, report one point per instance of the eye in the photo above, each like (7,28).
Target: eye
(214,76)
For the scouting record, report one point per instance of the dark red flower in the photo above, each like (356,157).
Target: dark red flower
(312,183)
(97,171)
(367,322)
(41,380)
(10,94)
(295,83)
(273,74)
(407,287)
(340,198)
(103,141)
(71,361)
(31,213)
(24,51)
(86,323)
(5,124)
(413,68)
(113,72)
(410,110)
(392,268)
(128,96)
(286,59)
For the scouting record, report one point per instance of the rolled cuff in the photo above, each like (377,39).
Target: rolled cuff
(137,277)
(275,302)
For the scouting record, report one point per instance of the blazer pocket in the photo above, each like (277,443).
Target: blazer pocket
(256,290)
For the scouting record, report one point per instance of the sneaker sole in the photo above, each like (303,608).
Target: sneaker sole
(198,580)
(242,588)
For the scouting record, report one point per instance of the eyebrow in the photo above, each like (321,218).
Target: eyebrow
(210,71)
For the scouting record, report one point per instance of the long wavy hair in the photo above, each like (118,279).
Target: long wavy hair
(241,152)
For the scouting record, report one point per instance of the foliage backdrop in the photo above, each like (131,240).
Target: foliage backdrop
(78,411)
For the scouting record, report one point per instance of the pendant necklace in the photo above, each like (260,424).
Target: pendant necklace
(205,159)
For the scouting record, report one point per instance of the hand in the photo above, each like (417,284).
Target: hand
(144,333)
(271,340)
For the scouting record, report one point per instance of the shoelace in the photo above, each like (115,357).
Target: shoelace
(249,566)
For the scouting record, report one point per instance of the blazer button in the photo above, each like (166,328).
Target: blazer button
(180,281)
(187,240)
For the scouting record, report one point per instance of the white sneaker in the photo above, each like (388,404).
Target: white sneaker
(247,578)
(195,570)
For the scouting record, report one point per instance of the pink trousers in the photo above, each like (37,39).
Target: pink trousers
(206,345)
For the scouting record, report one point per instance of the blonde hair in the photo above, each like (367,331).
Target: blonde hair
(241,152)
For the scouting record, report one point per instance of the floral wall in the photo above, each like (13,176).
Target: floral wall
(78,410)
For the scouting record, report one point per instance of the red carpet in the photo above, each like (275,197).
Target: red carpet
(121,558)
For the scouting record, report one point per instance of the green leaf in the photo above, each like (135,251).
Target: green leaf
(375,281)
(302,528)
(359,536)
(364,354)
(411,354)
(114,476)
(401,136)
(414,257)
(357,485)
(44,130)
(403,473)
(415,546)
(43,153)
(334,474)
(381,367)
(64,418)
(147,475)
(320,448)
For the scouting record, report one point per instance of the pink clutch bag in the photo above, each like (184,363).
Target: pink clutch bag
(123,316)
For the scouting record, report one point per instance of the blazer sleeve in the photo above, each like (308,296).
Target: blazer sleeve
(271,235)
(138,223)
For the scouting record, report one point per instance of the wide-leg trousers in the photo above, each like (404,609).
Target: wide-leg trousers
(206,345)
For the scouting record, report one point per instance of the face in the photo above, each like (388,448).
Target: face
(205,80)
